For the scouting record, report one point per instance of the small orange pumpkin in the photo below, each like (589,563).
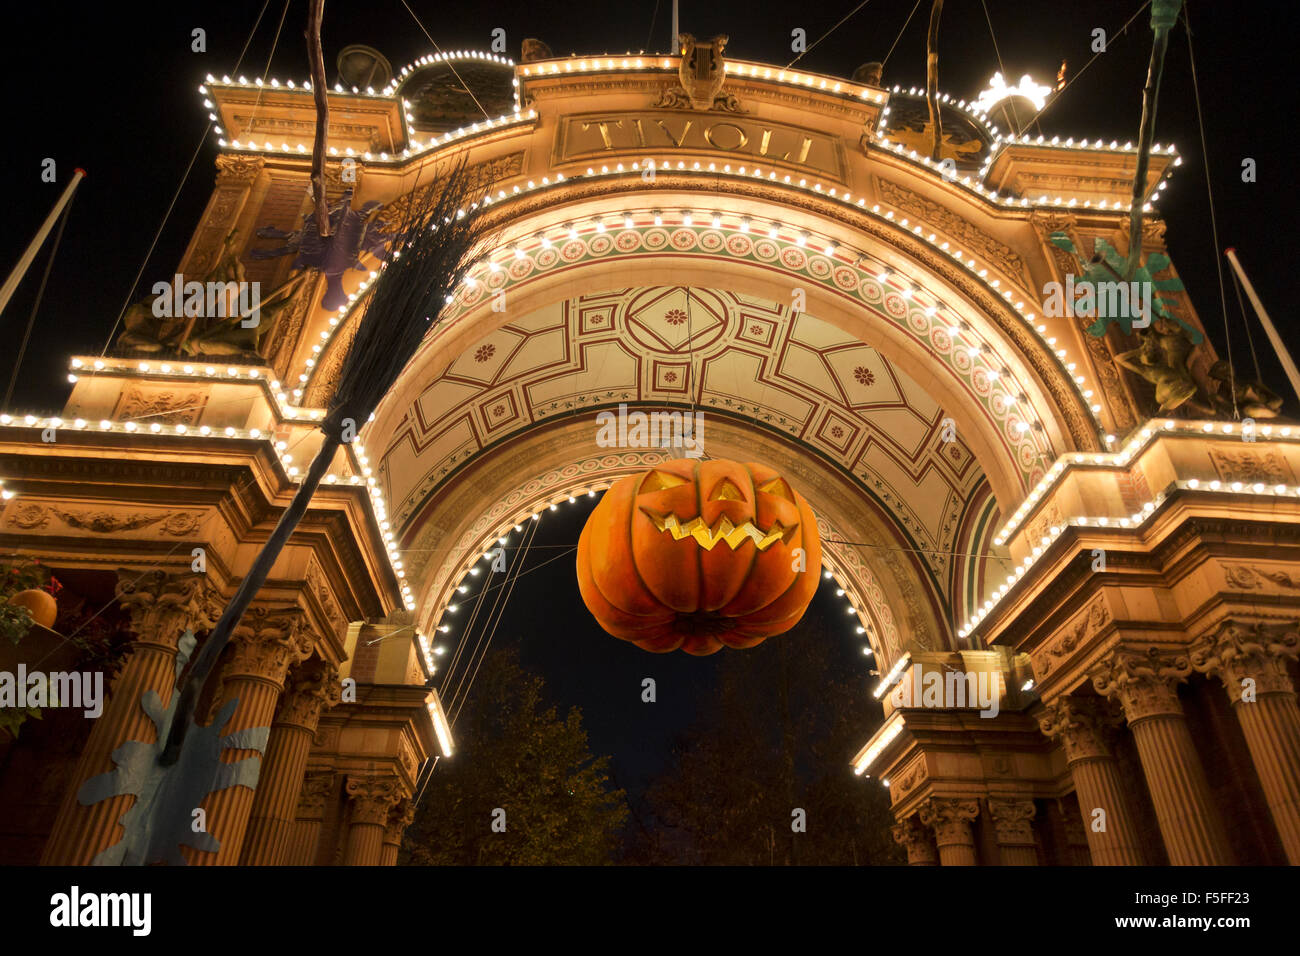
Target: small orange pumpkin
(40,604)
(699,555)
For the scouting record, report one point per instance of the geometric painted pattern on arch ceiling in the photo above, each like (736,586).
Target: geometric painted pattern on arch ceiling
(979,375)
(752,359)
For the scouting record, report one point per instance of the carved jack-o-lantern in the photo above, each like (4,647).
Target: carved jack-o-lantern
(698,555)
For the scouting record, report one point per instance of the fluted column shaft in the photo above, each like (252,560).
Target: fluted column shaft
(304,835)
(162,607)
(263,648)
(1251,662)
(1189,821)
(951,821)
(1080,726)
(275,803)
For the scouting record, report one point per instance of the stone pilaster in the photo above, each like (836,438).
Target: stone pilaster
(1144,683)
(951,821)
(162,605)
(1251,662)
(370,800)
(1013,828)
(399,818)
(312,687)
(305,835)
(264,644)
(918,840)
(1080,726)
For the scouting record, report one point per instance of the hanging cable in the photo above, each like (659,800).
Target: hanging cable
(502,600)
(828,33)
(653,17)
(1120,32)
(900,35)
(1214,224)
(454,73)
(1245,321)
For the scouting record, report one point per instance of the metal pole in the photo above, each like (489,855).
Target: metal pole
(16,276)
(674,44)
(1288,364)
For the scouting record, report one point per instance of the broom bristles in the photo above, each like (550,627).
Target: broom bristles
(437,240)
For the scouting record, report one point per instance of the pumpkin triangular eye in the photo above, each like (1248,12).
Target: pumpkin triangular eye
(658,481)
(778,487)
(726,490)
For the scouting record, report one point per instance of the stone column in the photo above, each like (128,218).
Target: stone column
(312,686)
(1013,828)
(399,818)
(305,834)
(370,799)
(163,605)
(1251,662)
(262,647)
(1080,725)
(918,839)
(1145,685)
(951,820)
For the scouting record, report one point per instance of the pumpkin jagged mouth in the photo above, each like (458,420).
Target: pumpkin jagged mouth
(723,530)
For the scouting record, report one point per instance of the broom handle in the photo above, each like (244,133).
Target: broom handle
(248,589)
(20,270)
(1283,354)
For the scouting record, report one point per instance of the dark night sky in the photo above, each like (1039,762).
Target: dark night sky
(112,88)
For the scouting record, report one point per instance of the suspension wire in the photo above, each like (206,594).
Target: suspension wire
(1214,224)
(900,35)
(503,601)
(469,629)
(1245,320)
(1118,33)
(36,303)
(828,33)
(448,62)
(461,686)
(649,37)
(1001,66)
(130,292)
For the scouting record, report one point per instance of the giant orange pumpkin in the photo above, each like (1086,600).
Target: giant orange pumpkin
(699,555)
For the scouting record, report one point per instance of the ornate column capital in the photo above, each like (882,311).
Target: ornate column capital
(311,687)
(163,604)
(1012,821)
(311,799)
(399,818)
(1236,651)
(372,797)
(238,170)
(1144,681)
(267,641)
(1081,725)
(949,818)
(916,838)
